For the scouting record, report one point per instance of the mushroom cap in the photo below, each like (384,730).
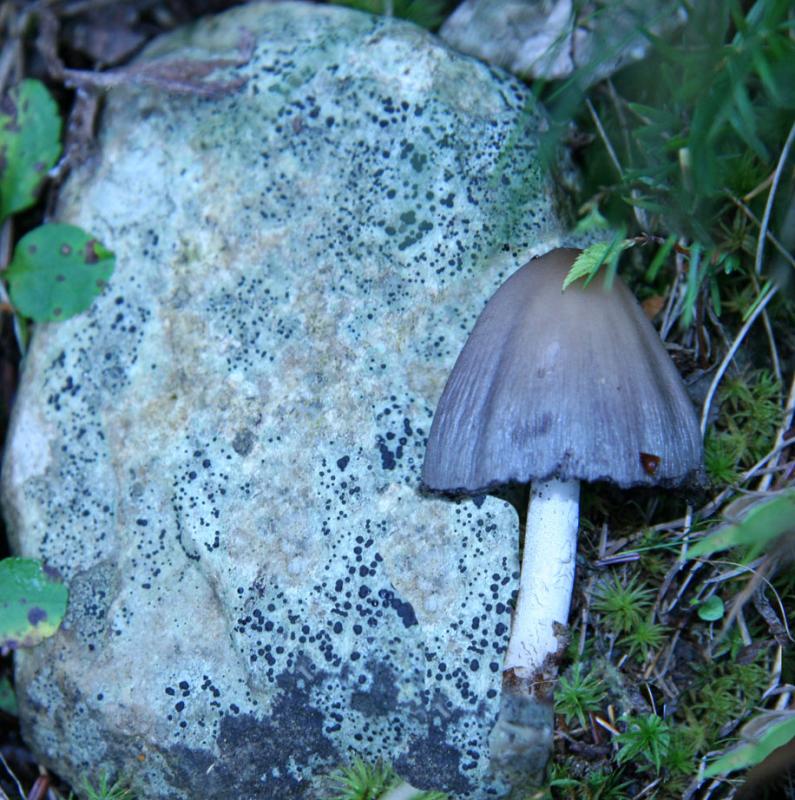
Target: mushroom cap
(574,385)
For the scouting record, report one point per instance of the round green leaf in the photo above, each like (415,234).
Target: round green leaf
(32,603)
(30,131)
(712,609)
(56,271)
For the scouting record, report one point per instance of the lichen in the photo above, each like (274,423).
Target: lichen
(238,423)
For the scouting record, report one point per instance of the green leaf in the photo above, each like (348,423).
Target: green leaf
(56,271)
(592,220)
(695,277)
(30,130)
(712,609)
(767,77)
(758,524)
(763,293)
(714,294)
(32,603)
(587,264)
(659,258)
(8,697)
(750,753)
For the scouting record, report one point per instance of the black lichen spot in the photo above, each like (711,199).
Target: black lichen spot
(36,615)
(387,456)
(418,161)
(243,442)
(343,462)
(403,609)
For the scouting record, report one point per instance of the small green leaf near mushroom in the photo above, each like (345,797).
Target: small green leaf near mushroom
(56,271)
(712,609)
(32,603)
(30,129)
(591,260)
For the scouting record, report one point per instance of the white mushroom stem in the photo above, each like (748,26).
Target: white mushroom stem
(547,578)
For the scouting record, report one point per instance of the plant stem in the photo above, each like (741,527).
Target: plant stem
(550,546)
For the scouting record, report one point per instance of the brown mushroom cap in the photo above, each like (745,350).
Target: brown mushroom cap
(574,385)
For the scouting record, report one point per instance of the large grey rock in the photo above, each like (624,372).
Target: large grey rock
(222,456)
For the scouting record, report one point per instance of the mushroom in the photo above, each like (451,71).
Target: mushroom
(553,388)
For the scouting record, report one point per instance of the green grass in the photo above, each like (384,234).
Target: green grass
(647,737)
(104,790)
(595,784)
(362,781)
(749,417)
(578,694)
(684,135)
(624,605)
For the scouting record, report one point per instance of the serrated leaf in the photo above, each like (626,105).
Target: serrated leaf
(712,609)
(759,524)
(56,271)
(32,603)
(587,264)
(30,130)
(772,736)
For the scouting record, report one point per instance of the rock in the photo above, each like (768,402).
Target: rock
(546,39)
(222,455)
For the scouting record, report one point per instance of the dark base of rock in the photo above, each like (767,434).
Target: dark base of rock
(521,740)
